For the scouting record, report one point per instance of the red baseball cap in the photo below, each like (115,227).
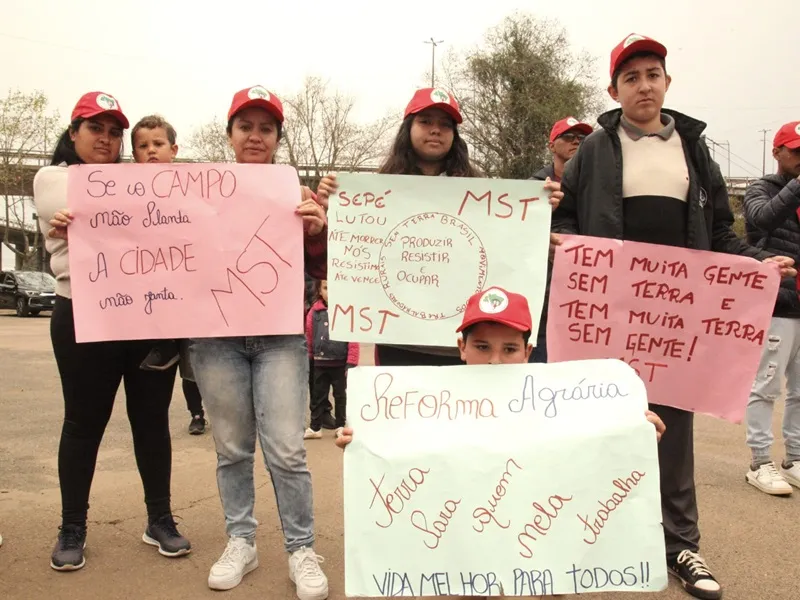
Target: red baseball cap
(632,44)
(788,135)
(257,95)
(427,97)
(565,125)
(92,104)
(498,306)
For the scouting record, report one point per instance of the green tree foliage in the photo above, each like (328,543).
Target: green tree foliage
(512,89)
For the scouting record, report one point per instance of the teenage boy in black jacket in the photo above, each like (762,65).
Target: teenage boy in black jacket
(670,192)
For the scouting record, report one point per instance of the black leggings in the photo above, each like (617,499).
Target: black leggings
(90,376)
(326,378)
(194,400)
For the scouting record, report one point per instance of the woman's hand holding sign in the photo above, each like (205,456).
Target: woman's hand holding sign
(313,213)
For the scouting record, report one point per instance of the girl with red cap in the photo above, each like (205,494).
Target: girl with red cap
(427,143)
(91,372)
(257,387)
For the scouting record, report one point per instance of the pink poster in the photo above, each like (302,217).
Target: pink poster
(185,250)
(691,323)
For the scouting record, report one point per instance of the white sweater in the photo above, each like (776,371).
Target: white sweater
(49,196)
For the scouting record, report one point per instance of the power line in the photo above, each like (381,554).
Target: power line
(750,171)
(741,158)
(746,170)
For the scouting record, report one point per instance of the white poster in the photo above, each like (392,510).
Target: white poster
(406,252)
(515,480)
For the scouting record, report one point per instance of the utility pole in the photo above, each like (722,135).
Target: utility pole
(764,159)
(433,44)
(727,146)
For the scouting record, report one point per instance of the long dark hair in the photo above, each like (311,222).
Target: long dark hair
(65,148)
(402,159)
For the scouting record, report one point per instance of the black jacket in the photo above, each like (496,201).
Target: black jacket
(541,175)
(770,211)
(545,172)
(592,186)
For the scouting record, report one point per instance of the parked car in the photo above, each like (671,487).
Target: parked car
(28,292)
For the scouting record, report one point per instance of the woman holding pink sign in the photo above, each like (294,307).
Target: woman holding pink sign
(257,386)
(91,372)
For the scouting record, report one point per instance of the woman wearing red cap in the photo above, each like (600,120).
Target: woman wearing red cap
(91,373)
(257,387)
(427,143)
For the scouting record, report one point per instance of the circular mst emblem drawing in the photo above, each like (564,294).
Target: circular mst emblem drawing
(430,264)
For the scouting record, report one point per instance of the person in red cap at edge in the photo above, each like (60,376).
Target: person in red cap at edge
(427,143)
(91,372)
(256,386)
(771,207)
(565,139)
(646,175)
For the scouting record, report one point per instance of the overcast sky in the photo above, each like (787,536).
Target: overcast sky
(731,65)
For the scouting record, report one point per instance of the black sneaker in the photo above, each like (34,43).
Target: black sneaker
(198,425)
(68,552)
(695,575)
(163,534)
(328,422)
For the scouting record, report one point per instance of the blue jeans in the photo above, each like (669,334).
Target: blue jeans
(258,385)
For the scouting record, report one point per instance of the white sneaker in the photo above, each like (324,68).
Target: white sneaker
(306,574)
(767,479)
(792,474)
(237,561)
(310,434)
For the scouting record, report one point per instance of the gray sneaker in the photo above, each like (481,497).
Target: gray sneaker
(197,425)
(68,551)
(163,533)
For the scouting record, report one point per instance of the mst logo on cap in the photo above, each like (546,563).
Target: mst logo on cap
(258,92)
(572,121)
(634,37)
(440,96)
(106,102)
(797,129)
(493,301)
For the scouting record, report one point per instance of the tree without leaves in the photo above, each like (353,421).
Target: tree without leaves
(26,128)
(321,133)
(513,88)
(209,143)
